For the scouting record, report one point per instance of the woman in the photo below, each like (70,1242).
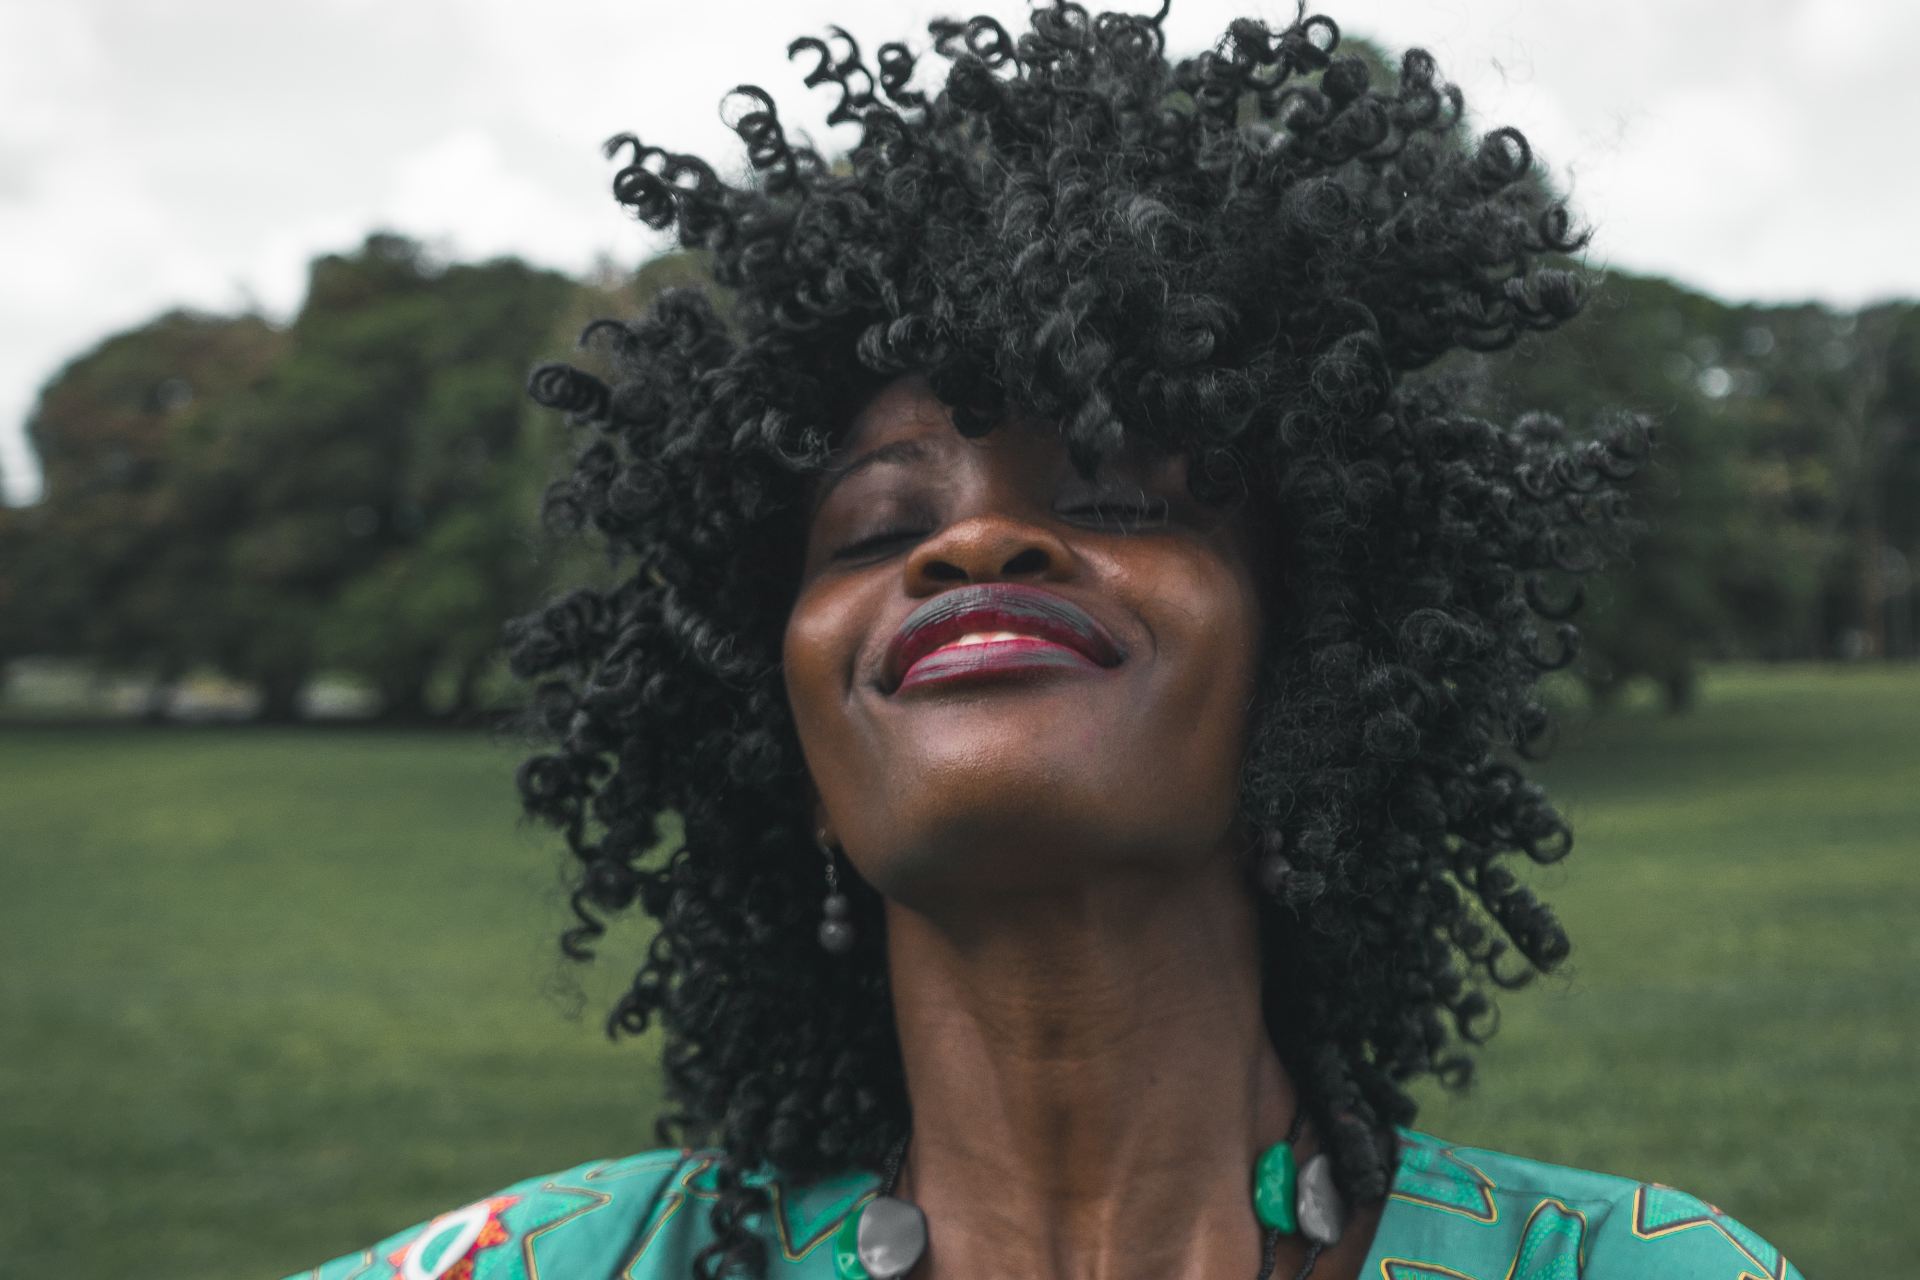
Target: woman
(1090,668)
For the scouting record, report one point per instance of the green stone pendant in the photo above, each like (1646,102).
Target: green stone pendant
(1274,1182)
(846,1249)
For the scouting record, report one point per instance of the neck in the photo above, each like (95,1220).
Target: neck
(1090,1079)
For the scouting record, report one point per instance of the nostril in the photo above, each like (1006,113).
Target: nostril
(941,571)
(1032,560)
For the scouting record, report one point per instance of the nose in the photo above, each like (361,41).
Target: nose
(987,548)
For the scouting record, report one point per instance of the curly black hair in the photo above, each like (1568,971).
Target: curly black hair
(1255,257)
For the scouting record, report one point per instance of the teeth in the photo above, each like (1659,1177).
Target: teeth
(986,637)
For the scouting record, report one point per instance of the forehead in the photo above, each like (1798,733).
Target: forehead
(907,422)
(905,407)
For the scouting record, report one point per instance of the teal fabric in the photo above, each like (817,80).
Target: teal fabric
(1455,1213)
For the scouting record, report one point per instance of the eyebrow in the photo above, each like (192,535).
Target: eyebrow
(897,451)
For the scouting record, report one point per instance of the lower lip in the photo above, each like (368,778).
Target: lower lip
(994,659)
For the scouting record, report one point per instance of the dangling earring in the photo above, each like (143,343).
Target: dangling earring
(836,913)
(1273,869)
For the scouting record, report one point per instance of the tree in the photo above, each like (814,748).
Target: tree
(1849,391)
(96,572)
(1726,565)
(1897,577)
(373,480)
(359,491)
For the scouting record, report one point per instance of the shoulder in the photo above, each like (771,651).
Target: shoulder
(641,1218)
(1467,1213)
(579,1224)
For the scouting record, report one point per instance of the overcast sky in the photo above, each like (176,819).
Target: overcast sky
(165,152)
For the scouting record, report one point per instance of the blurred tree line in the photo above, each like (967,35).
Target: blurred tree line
(357,492)
(1782,512)
(354,493)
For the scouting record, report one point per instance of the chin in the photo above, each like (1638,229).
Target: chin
(995,827)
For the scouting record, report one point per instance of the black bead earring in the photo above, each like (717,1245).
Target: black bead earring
(836,913)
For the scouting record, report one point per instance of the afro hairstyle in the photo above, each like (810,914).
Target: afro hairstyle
(1259,257)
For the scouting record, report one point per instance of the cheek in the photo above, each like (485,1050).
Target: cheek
(1208,608)
(803,658)
(818,659)
(1207,625)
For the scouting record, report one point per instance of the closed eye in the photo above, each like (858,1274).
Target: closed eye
(1121,516)
(877,544)
(1108,516)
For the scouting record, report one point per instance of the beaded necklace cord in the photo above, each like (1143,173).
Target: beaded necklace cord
(886,1237)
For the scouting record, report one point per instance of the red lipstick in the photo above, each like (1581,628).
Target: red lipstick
(1014,627)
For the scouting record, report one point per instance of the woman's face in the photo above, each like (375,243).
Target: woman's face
(1006,677)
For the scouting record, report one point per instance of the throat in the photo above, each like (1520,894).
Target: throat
(1093,1085)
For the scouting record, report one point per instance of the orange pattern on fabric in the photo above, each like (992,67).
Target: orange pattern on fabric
(492,1233)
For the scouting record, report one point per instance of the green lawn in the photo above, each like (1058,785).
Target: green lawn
(267,996)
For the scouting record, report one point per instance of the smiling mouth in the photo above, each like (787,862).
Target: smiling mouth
(979,659)
(992,631)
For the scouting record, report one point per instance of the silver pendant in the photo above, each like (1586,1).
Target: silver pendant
(1318,1202)
(1274,872)
(892,1236)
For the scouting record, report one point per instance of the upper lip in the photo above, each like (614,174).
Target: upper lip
(996,606)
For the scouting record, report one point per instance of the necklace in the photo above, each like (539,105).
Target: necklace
(885,1238)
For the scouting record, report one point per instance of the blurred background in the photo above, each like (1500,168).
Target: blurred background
(277,963)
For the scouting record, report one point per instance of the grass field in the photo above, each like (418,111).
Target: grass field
(267,996)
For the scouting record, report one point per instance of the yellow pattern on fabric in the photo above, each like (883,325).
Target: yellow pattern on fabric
(596,1200)
(820,1237)
(1550,1227)
(1440,1179)
(678,1192)
(1403,1269)
(1659,1210)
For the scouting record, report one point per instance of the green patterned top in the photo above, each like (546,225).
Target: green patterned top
(1455,1213)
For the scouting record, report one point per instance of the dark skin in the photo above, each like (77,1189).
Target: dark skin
(1071,942)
